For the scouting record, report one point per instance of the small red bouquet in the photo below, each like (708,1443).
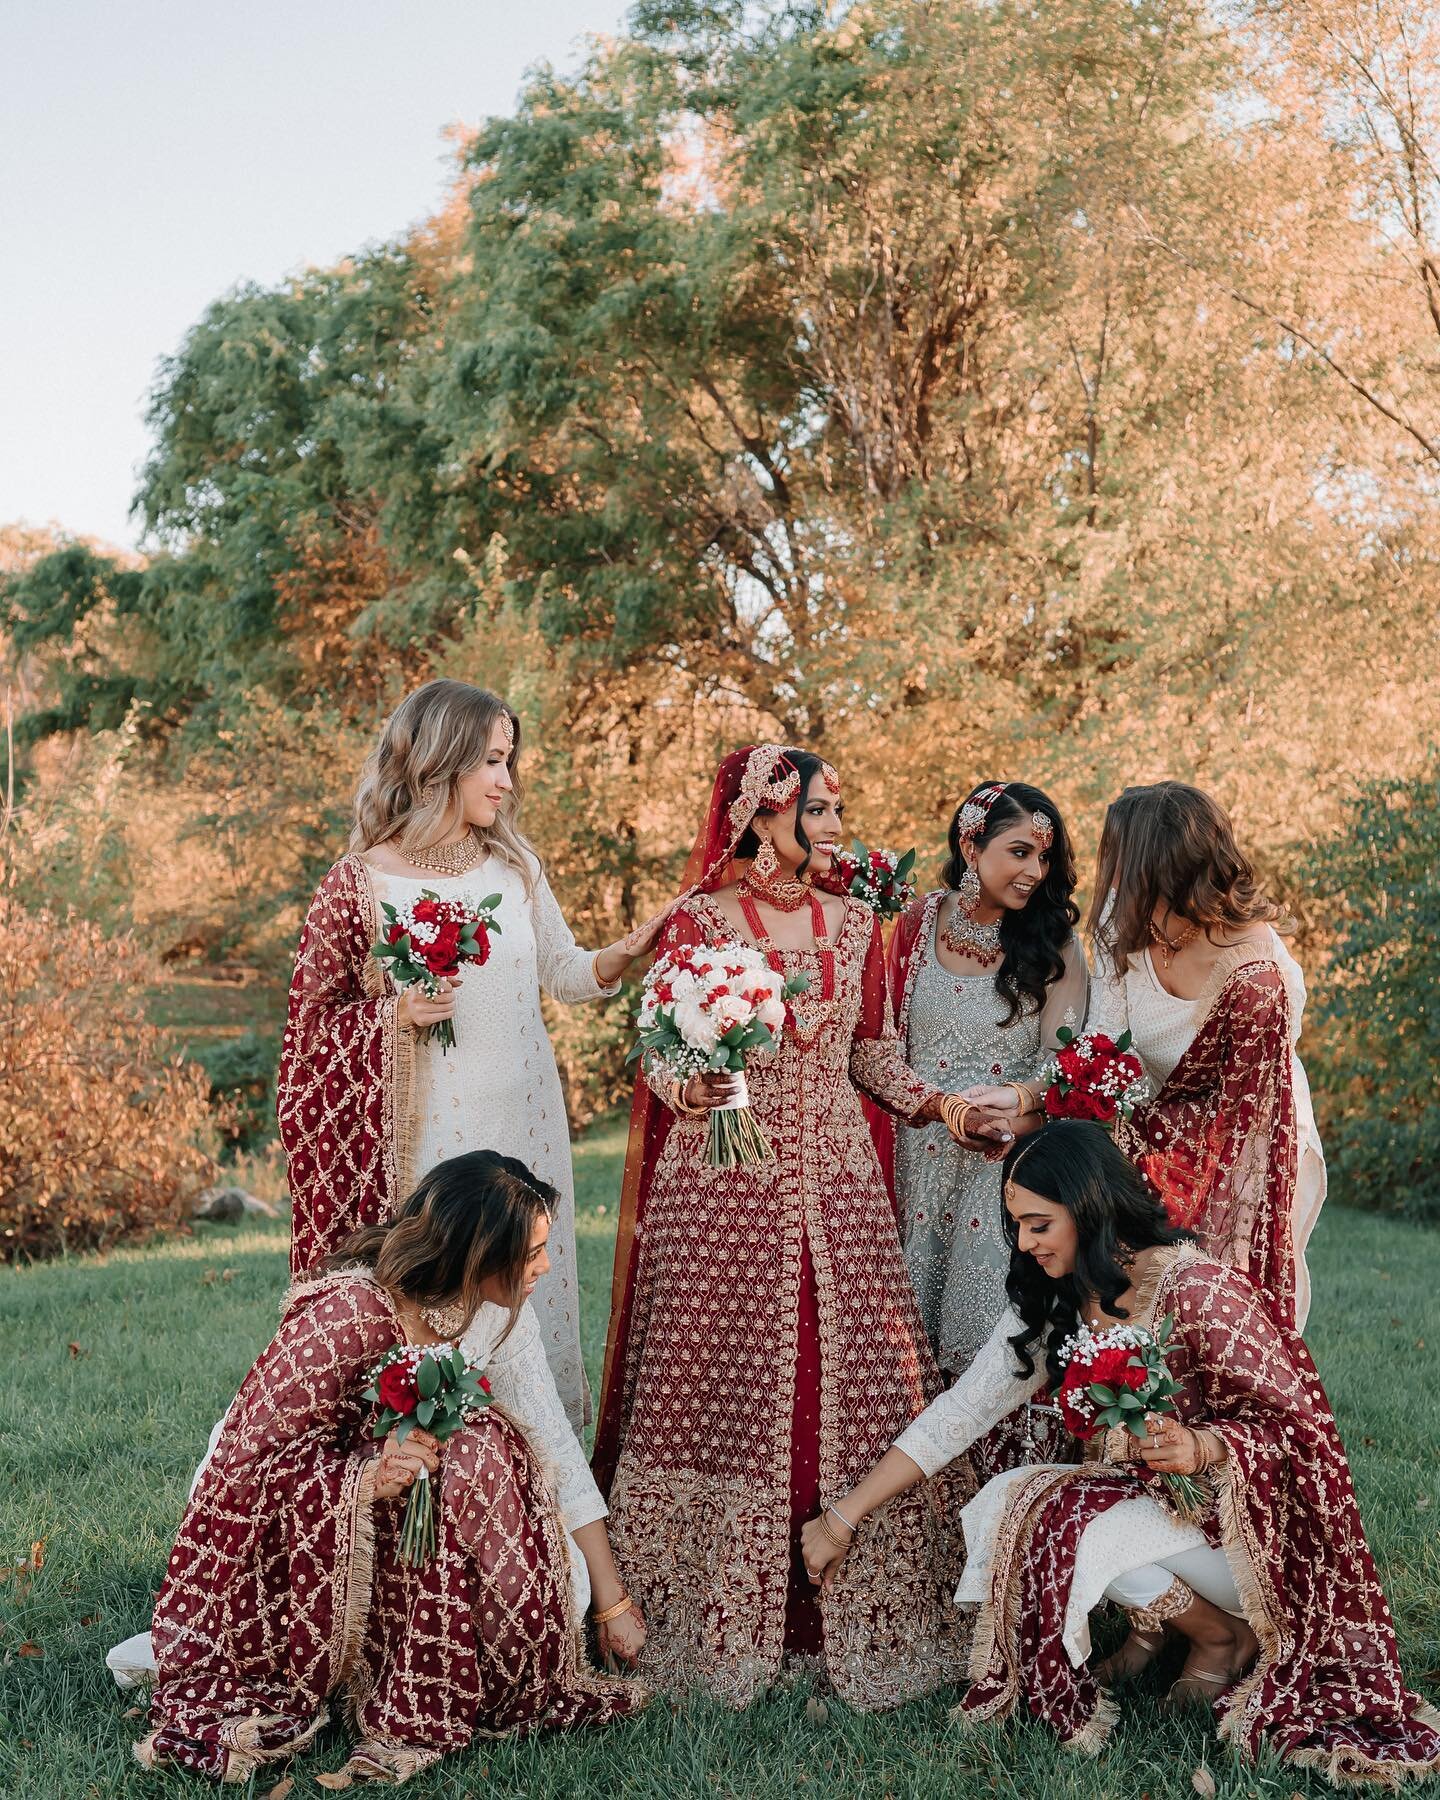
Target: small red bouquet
(883,880)
(1094,1077)
(432,1386)
(1116,1377)
(425,941)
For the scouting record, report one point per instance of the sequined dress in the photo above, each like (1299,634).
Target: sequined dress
(949,1197)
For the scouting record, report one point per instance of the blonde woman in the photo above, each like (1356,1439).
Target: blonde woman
(365,1107)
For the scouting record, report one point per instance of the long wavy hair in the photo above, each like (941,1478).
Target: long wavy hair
(408,785)
(1075,1164)
(1033,938)
(469,1219)
(809,765)
(1174,844)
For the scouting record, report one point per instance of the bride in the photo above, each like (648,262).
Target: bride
(765,1341)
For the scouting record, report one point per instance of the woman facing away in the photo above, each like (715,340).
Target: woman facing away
(365,1106)
(1188,960)
(284,1590)
(984,972)
(1272,1585)
(764,1337)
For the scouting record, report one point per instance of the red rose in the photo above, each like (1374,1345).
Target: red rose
(484,1384)
(1101,1044)
(1073,1388)
(397,1389)
(1111,1368)
(482,946)
(428,910)
(1070,1063)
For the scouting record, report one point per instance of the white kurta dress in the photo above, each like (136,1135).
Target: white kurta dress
(1163,1027)
(1131,1535)
(499,1088)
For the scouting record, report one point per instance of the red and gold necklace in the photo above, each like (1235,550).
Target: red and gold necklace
(776,960)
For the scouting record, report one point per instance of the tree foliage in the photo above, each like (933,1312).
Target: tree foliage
(1019,389)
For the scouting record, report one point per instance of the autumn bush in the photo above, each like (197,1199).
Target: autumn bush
(102,1131)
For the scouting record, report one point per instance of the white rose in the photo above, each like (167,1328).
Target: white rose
(733,1009)
(771,1013)
(685,985)
(696,1025)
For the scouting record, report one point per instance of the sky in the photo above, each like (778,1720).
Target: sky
(156,153)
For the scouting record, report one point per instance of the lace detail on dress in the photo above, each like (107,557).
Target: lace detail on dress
(989,1389)
(521,1382)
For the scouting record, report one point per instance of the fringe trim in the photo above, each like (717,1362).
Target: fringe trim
(376,1759)
(1244,1570)
(359,1506)
(1092,1738)
(397,1051)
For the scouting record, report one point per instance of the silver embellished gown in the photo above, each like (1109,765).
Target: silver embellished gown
(949,1197)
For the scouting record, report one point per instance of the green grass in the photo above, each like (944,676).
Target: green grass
(97,1444)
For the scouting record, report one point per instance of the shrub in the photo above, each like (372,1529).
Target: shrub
(241,1075)
(1379,1018)
(101,1127)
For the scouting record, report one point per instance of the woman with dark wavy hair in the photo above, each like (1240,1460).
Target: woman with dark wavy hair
(984,972)
(1189,961)
(1269,1581)
(285,1595)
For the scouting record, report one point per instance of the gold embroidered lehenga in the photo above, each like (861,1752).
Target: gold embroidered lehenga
(765,1347)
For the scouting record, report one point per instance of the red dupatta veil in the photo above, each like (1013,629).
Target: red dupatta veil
(752,779)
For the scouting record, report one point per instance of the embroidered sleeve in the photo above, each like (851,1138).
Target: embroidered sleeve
(567,973)
(990,1388)
(877,1061)
(521,1382)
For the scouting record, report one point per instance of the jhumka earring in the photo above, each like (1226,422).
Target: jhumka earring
(967,893)
(766,864)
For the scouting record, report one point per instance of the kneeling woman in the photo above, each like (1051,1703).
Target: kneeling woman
(285,1587)
(1273,1586)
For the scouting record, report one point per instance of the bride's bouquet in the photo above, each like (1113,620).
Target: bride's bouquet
(426,940)
(883,879)
(1095,1077)
(705,1010)
(1116,1377)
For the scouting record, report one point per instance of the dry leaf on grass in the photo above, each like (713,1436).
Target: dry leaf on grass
(133,1712)
(29,1649)
(75,1349)
(281,1788)
(1203,1781)
(335,1783)
(816,1711)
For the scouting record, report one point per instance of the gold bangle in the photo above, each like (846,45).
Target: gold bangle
(948,1107)
(677,1101)
(600,980)
(1024,1099)
(612,1612)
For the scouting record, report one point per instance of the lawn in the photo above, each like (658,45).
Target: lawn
(118,1366)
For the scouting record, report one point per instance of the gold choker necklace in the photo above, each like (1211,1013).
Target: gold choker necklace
(448,859)
(784,896)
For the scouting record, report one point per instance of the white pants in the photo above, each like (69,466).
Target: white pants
(1206,1570)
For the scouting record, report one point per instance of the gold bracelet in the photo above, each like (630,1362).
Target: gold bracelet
(948,1105)
(677,1101)
(1024,1099)
(600,980)
(834,1536)
(612,1612)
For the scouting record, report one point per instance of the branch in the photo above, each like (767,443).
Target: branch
(1353,382)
